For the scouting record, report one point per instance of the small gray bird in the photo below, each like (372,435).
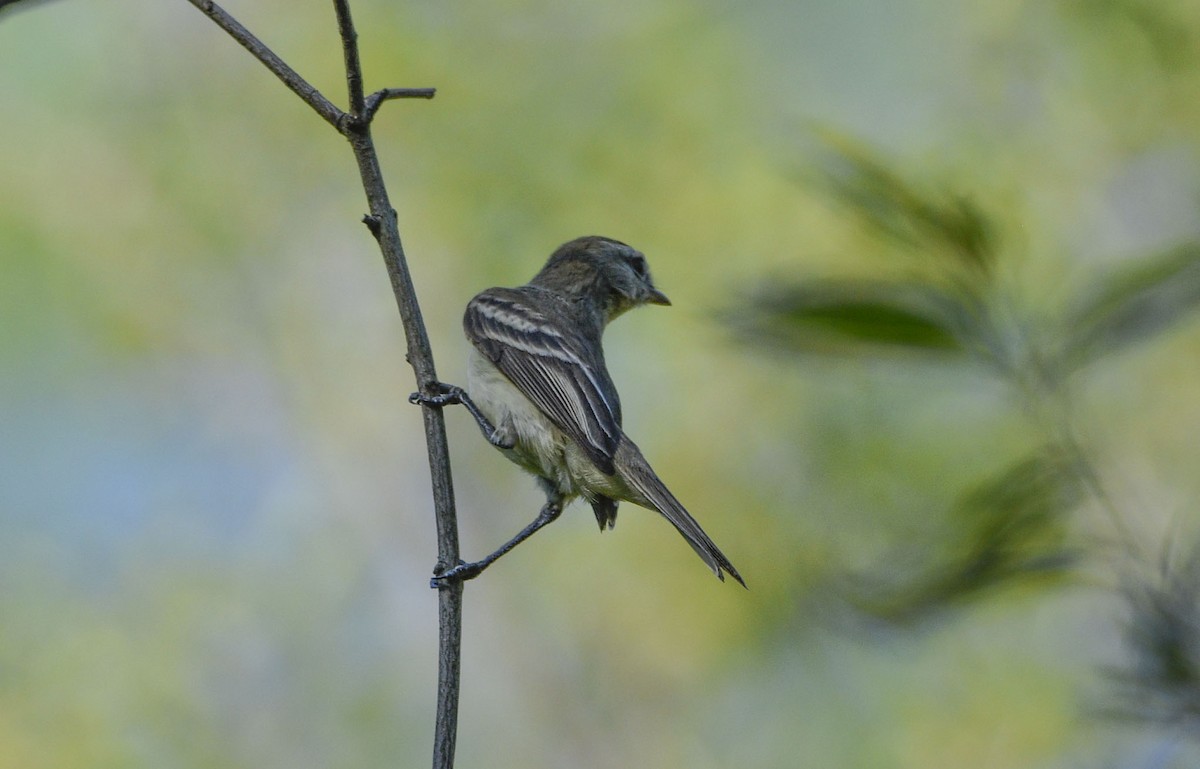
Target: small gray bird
(540,392)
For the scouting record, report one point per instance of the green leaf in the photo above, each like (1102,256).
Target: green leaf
(858,317)
(1133,306)
(930,224)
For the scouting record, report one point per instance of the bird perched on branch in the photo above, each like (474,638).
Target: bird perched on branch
(540,392)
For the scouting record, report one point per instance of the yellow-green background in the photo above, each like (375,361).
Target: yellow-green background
(215,525)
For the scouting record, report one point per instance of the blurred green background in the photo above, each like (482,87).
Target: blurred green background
(930,381)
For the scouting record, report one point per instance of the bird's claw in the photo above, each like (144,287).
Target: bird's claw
(502,439)
(460,573)
(446,395)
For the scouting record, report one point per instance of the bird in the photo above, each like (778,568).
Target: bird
(539,389)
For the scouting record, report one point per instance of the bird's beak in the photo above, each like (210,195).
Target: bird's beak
(657,297)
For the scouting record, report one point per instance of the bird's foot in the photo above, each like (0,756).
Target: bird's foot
(501,437)
(460,573)
(447,395)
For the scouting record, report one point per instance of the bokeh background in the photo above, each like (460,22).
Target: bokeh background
(930,380)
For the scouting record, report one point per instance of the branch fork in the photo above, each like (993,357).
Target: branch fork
(362,109)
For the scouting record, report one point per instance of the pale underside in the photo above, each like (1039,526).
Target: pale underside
(539,446)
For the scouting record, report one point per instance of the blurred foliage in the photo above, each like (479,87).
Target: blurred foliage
(214,529)
(948,226)
(949,308)
(1006,529)
(1160,684)
(1131,307)
(857,317)
(1000,529)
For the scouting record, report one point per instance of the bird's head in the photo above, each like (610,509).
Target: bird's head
(607,272)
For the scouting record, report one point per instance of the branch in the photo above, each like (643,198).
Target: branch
(354,78)
(355,125)
(292,79)
(376,100)
(363,108)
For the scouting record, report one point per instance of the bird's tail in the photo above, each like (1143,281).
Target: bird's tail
(641,479)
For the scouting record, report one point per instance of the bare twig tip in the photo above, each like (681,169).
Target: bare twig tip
(376,100)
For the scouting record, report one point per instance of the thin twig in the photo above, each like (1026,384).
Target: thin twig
(354,76)
(301,87)
(355,125)
(376,100)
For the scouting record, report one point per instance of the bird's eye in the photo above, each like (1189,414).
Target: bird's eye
(638,263)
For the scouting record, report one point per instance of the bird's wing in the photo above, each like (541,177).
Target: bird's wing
(535,348)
